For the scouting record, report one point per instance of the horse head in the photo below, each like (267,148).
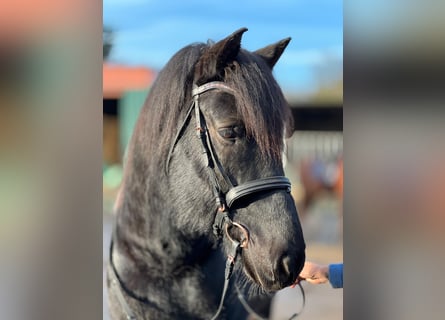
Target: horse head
(246,118)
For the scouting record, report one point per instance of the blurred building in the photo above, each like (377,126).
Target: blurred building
(124,91)
(314,153)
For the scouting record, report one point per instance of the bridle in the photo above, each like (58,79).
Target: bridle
(224,201)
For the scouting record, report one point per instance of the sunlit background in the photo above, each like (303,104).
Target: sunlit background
(52,166)
(53,172)
(141,36)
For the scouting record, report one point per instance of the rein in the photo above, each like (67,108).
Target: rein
(222,221)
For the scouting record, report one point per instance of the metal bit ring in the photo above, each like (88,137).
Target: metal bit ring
(245,240)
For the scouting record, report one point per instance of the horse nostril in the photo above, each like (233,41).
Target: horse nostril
(286,264)
(286,269)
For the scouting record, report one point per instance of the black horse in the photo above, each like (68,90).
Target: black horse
(204,181)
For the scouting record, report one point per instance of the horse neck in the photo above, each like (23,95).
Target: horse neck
(146,231)
(152,253)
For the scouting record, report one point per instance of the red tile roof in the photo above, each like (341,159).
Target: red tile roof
(118,78)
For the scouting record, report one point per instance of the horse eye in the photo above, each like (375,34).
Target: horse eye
(231,132)
(227,133)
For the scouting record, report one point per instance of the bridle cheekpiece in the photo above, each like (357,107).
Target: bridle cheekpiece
(224,202)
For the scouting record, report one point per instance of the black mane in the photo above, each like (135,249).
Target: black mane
(260,103)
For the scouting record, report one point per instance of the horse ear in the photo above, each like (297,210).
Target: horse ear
(273,52)
(215,59)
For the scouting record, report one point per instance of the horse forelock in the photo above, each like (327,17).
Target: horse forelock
(260,103)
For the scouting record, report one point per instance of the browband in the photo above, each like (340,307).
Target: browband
(209,86)
(250,187)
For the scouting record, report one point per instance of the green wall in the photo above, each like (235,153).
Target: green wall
(130,106)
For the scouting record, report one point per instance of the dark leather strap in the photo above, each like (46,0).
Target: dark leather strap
(119,286)
(257,316)
(197,90)
(250,187)
(230,263)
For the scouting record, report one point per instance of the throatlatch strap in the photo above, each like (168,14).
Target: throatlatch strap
(250,187)
(117,283)
(177,137)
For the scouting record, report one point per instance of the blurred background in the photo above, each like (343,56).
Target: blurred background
(51,136)
(139,37)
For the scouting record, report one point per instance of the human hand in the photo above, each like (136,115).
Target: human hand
(314,273)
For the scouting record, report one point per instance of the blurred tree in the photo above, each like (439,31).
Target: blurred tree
(329,75)
(107,40)
(329,92)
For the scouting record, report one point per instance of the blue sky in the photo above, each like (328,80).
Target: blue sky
(149,32)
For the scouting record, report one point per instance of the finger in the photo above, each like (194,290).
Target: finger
(316,280)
